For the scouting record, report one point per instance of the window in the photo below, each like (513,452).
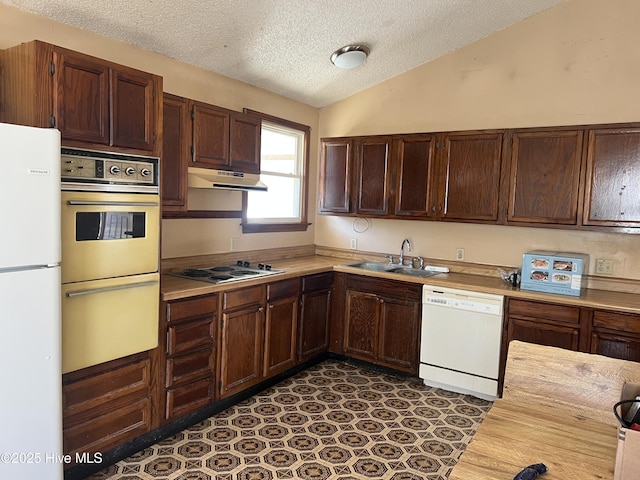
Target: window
(283,164)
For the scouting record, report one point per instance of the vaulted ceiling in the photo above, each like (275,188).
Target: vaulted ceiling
(284,46)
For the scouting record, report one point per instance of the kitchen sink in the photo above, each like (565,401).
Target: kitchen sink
(374,267)
(390,268)
(414,272)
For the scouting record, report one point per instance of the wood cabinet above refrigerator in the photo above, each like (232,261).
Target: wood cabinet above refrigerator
(94,103)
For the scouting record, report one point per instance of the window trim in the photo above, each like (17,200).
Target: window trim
(303,224)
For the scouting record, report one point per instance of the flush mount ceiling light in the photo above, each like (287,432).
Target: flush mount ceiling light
(350,56)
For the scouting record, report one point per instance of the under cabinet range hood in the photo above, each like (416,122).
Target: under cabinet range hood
(205,178)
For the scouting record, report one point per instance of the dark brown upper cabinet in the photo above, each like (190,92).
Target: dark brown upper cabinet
(81,100)
(544,177)
(336,176)
(133,107)
(210,136)
(176,146)
(373,163)
(613,178)
(225,140)
(569,177)
(91,101)
(414,180)
(470,169)
(406,176)
(244,142)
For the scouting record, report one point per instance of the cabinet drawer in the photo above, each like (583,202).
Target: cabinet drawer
(184,399)
(283,289)
(544,311)
(320,281)
(106,388)
(188,336)
(243,296)
(616,321)
(397,290)
(100,433)
(188,367)
(194,307)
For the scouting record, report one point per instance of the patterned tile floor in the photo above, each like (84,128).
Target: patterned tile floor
(332,421)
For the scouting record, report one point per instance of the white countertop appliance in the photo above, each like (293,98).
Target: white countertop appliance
(460,340)
(30,353)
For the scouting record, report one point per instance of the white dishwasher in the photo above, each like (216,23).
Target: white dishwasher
(460,340)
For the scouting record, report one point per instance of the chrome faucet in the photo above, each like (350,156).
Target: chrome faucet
(408,243)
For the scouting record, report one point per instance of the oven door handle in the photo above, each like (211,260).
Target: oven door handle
(77,293)
(111,203)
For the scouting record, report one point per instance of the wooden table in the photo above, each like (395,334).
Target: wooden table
(512,437)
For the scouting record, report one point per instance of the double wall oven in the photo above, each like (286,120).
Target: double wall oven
(110,256)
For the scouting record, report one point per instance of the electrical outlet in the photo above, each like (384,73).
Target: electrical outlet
(460,254)
(604,267)
(353,244)
(233,245)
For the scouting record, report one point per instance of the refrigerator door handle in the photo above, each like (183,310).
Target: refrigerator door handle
(109,289)
(111,204)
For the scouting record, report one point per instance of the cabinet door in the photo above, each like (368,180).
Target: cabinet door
(562,336)
(176,142)
(81,97)
(210,136)
(398,335)
(280,335)
(363,311)
(335,177)
(133,109)
(616,335)
(373,156)
(415,177)
(615,345)
(613,178)
(470,167)
(241,349)
(314,324)
(545,176)
(244,147)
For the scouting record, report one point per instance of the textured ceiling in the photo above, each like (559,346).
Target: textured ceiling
(284,45)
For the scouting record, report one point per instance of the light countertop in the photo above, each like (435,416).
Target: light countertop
(173,288)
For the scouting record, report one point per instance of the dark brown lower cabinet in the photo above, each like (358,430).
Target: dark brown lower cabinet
(545,324)
(107,405)
(315,313)
(616,335)
(281,327)
(241,339)
(583,329)
(382,322)
(189,354)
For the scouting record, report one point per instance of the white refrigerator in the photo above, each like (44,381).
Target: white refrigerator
(30,352)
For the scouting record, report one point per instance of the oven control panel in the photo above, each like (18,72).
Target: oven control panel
(84,166)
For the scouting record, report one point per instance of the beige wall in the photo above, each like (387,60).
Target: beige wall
(578,63)
(180,237)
